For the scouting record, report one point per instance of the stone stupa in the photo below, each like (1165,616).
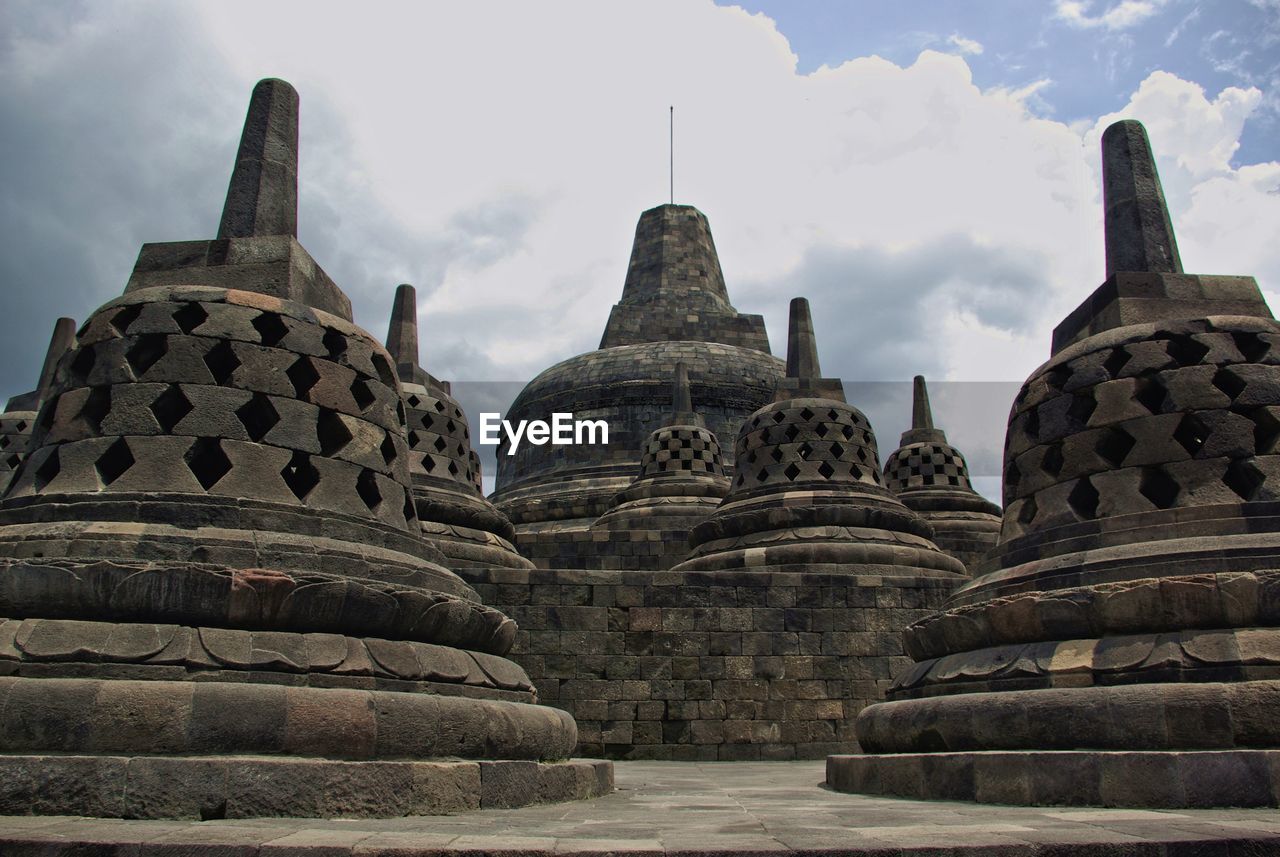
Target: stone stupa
(447,489)
(808,494)
(1121,645)
(680,483)
(674,309)
(20,411)
(218,601)
(931,477)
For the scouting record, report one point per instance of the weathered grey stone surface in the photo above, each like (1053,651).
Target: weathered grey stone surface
(452,510)
(780,625)
(213,551)
(680,483)
(674,309)
(1139,234)
(1130,604)
(804,374)
(808,494)
(675,290)
(257,246)
(666,808)
(728,665)
(247,787)
(1145,281)
(930,477)
(21,411)
(262,198)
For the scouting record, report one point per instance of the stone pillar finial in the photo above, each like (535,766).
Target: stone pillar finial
(681,399)
(64,336)
(921,415)
(1139,234)
(402,333)
(802,346)
(682,412)
(262,198)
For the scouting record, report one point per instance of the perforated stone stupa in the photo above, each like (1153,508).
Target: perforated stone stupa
(218,599)
(452,509)
(20,411)
(680,482)
(808,493)
(1121,646)
(931,477)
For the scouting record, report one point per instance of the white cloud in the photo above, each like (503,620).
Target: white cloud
(963,45)
(1119,16)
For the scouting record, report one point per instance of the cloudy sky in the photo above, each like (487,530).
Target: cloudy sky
(926,172)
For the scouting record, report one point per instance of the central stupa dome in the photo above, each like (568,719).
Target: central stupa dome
(674,309)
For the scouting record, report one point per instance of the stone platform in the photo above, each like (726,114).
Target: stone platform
(724,808)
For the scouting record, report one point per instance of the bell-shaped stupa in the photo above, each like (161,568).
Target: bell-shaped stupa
(20,412)
(808,493)
(1121,646)
(452,510)
(218,601)
(931,477)
(680,482)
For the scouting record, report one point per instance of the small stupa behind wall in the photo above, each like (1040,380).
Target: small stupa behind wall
(20,412)
(931,477)
(452,510)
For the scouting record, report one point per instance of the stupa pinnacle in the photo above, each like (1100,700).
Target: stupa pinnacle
(262,196)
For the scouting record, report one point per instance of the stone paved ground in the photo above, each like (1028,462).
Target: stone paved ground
(716,808)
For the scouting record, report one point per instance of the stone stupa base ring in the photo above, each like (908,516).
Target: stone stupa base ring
(249,786)
(1156,779)
(1195,715)
(226,749)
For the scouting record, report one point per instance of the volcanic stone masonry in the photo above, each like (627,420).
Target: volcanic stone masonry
(781,623)
(247,567)
(452,509)
(20,411)
(930,476)
(1120,645)
(674,309)
(219,599)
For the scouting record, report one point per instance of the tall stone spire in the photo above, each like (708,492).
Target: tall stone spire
(682,412)
(402,334)
(64,336)
(257,248)
(1145,281)
(922,430)
(262,198)
(1139,234)
(804,374)
(802,346)
(675,289)
(921,414)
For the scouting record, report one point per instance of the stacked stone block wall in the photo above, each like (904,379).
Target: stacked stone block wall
(709,666)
